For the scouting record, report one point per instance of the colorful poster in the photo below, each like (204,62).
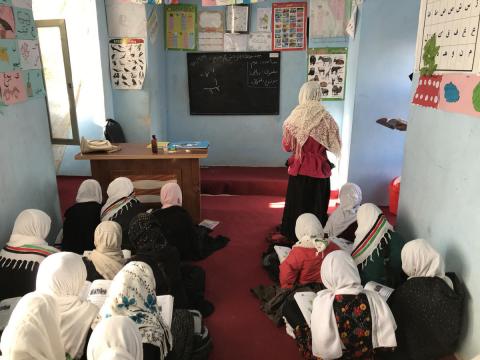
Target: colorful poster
(264,20)
(456,25)
(328,66)
(235,42)
(428,91)
(126,19)
(12,88)
(260,41)
(210,30)
(327,18)
(34,83)
(26,4)
(289,26)
(181,27)
(127,63)
(9,57)
(460,93)
(7,23)
(29,54)
(247,2)
(25,24)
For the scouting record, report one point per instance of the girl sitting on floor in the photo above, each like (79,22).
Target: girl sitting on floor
(82,218)
(63,276)
(428,306)
(23,253)
(342,223)
(377,248)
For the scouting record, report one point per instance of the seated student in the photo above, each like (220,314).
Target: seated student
(342,223)
(132,294)
(347,321)
(23,253)
(377,248)
(428,306)
(192,241)
(303,263)
(106,260)
(33,331)
(82,218)
(115,338)
(122,206)
(63,276)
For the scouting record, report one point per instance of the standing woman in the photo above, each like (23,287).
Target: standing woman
(308,132)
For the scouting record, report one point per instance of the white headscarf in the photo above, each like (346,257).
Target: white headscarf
(420,259)
(340,276)
(107,257)
(33,331)
(132,294)
(310,118)
(89,191)
(309,232)
(373,227)
(170,195)
(31,228)
(115,338)
(120,193)
(346,213)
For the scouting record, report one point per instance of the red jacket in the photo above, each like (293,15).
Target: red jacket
(302,266)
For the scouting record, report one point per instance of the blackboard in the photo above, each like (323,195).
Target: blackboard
(240,83)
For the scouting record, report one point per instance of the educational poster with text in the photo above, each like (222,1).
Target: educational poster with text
(456,25)
(12,88)
(327,18)
(210,30)
(34,83)
(9,57)
(181,27)
(259,41)
(7,23)
(127,63)
(328,67)
(25,24)
(289,26)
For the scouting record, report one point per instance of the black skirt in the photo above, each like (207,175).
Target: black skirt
(305,194)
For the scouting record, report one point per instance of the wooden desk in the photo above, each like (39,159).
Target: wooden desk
(149,172)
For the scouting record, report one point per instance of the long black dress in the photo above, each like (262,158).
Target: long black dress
(79,227)
(124,216)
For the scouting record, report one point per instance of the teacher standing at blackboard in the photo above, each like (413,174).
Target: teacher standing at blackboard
(308,133)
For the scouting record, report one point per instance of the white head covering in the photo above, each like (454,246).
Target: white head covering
(373,227)
(31,227)
(346,213)
(107,256)
(340,276)
(63,276)
(170,195)
(310,118)
(33,331)
(132,294)
(309,232)
(120,192)
(115,338)
(89,191)
(420,259)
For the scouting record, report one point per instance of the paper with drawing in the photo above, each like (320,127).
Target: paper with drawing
(9,57)
(126,19)
(25,24)
(7,23)
(29,54)
(12,88)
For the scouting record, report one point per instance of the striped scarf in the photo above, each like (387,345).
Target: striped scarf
(25,256)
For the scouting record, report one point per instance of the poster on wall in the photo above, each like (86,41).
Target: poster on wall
(456,25)
(235,42)
(259,41)
(264,20)
(328,67)
(237,18)
(181,27)
(25,24)
(33,80)
(289,26)
(7,28)
(126,19)
(328,18)
(12,88)
(127,63)
(9,57)
(29,54)
(210,30)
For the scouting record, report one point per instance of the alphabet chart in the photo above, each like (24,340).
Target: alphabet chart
(455,24)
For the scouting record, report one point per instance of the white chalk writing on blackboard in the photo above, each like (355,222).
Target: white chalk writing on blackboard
(262,74)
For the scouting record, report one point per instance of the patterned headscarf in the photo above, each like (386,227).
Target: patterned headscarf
(146,234)
(132,294)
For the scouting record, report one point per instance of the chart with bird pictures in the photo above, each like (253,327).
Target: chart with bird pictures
(127,63)
(456,25)
(328,67)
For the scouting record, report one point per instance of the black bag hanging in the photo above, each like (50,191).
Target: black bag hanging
(113,132)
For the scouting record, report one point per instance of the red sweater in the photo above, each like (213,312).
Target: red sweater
(314,161)
(302,266)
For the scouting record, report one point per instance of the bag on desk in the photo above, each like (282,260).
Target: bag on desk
(88,146)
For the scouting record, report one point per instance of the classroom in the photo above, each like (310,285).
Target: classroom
(239,179)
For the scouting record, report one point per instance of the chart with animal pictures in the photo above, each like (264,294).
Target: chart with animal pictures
(328,66)
(455,24)
(127,63)
(289,26)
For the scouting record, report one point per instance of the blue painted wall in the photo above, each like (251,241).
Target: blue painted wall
(381,58)
(439,199)
(27,178)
